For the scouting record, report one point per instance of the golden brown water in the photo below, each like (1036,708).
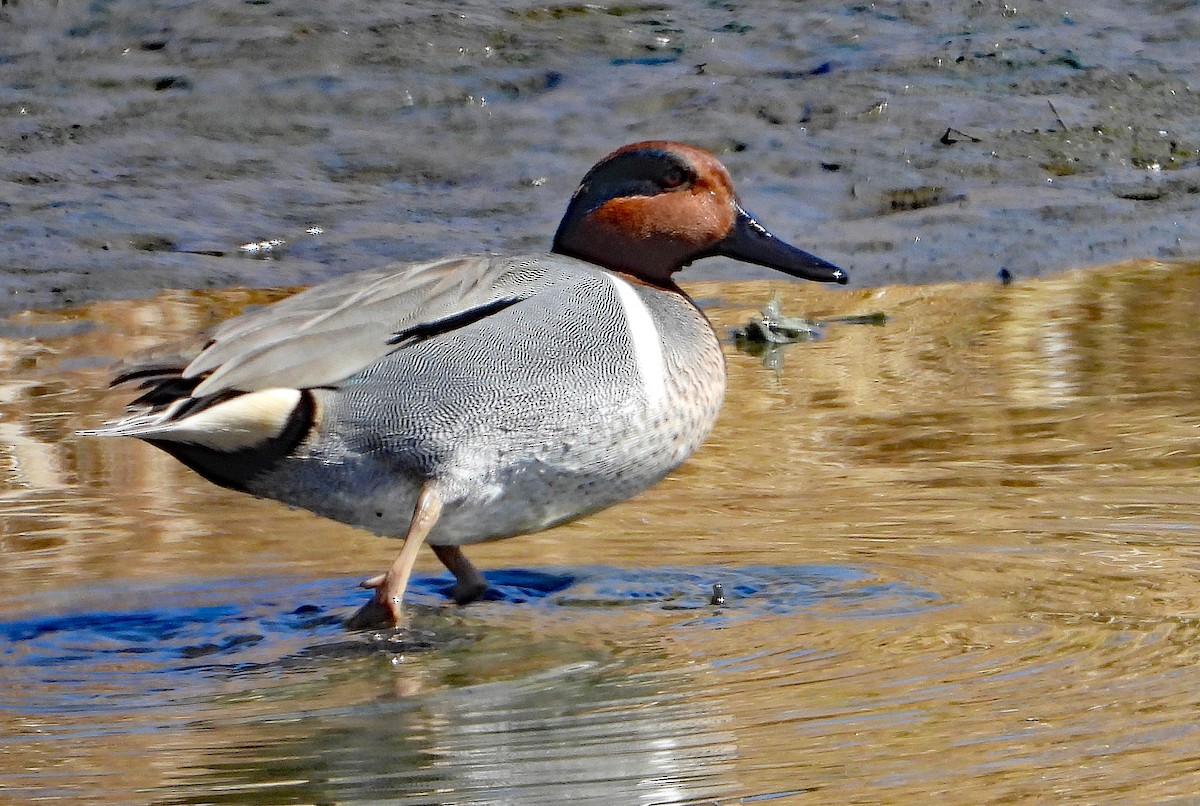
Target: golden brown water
(961,553)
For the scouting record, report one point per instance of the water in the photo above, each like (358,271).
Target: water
(958,550)
(471,705)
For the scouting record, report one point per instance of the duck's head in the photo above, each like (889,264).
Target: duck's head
(649,209)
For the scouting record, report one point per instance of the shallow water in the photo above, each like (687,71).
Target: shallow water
(959,554)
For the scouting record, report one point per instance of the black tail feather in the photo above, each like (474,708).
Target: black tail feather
(164,391)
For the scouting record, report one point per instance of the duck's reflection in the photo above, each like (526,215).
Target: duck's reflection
(583,733)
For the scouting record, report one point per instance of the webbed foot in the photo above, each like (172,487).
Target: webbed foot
(377,614)
(470,584)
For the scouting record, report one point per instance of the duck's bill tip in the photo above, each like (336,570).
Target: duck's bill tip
(751,242)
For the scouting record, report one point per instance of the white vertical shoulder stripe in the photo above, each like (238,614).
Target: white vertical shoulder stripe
(647,343)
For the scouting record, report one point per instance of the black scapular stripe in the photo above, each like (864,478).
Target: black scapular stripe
(427,330)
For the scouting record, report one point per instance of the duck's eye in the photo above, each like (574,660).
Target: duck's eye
(673,178)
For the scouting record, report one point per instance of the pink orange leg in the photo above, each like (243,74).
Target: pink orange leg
(384,609)
(470,585)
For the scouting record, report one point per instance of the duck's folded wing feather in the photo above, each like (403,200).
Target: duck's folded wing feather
(245,392)
(327,334)
(324,335)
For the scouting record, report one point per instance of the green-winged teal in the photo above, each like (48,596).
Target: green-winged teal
(476,397)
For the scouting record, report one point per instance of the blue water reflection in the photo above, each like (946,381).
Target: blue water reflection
(235,626)
(263,696)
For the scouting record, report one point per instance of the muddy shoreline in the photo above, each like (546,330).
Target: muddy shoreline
(145,144)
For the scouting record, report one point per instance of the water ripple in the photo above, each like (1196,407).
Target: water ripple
(270,655)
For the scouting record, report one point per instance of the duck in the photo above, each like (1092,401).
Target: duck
(474,397)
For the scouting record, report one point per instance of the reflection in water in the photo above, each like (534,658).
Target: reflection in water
(261,687)
(581,732)
(244,702)
(959,552)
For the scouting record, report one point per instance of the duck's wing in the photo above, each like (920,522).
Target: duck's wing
(247,392)
(246,386)
(322,336)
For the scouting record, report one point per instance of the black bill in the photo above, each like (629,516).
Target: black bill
(749,241)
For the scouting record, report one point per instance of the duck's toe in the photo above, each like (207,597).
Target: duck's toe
(379,613)
(373,582)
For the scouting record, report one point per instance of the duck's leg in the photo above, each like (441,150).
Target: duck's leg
(470,585)
(384,609)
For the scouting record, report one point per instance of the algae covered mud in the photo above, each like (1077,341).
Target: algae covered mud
(959,554)
(152,145)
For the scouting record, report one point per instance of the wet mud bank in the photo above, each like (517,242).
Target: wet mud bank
(260,144)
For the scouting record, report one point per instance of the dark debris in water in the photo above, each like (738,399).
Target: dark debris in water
(773,327)
(763,335)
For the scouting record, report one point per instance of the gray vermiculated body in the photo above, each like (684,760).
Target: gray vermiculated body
(527,418)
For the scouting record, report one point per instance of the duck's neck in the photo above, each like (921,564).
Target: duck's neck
(629,258)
